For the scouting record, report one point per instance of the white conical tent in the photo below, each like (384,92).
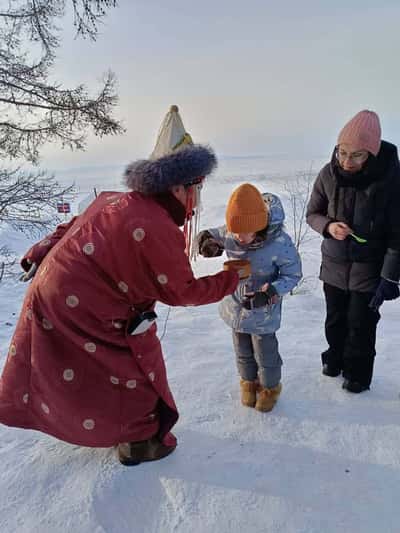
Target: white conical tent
(171,137)
(172,134)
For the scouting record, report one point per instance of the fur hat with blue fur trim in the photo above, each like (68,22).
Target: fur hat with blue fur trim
(182,167)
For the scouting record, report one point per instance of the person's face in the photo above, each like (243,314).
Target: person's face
(244,238)
(351,159)
(186,195)
(180,192)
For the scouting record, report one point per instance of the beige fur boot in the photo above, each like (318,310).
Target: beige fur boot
(267,398)
(248,392)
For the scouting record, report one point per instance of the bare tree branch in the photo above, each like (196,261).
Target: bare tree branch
(298,190)
(7,261)
(33,110)
(88,14)
(28,201)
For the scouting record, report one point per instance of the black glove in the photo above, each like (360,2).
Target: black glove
(259,298)
(211,248)
(208,246)
(387,290)
(30,273)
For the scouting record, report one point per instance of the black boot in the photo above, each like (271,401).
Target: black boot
(354,386)
(134,453)
(331,371)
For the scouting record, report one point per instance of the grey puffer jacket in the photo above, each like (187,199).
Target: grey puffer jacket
(274,259)
(368,203)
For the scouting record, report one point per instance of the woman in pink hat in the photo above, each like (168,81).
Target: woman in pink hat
(354,206)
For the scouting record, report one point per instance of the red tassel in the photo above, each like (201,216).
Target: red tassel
(188,222)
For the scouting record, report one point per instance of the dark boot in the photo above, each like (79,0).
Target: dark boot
(134,453)
(359,370)
(331,371)
(354,386)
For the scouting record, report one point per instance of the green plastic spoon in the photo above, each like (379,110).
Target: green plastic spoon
(358,239)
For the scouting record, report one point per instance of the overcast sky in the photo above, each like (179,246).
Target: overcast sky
(255,77)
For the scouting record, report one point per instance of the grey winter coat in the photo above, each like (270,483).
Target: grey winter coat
(274,259)
(368,203)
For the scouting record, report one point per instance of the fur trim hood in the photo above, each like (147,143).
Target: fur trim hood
(179,168)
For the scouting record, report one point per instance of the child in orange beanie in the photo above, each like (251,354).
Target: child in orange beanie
(254,232)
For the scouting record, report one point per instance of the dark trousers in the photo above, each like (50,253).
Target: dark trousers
(350,329)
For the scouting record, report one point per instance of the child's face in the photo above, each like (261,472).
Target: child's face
(244,238)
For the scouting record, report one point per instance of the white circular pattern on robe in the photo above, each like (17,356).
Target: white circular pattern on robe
(46,242)
(139,234)
(123,286)
(152,376)
(117,324)
(13,350)
(45,408)
(72,300)
(29,314)
(90,347)
(114,380)
(25,398)
(68,374)
(163,279)
(139,356)
(88,249)
(131,384)
(88,424)
(152,416)
(47,324)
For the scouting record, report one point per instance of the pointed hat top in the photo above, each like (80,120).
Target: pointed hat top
(172,135)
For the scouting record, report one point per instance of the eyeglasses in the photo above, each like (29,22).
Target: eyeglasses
(355,157)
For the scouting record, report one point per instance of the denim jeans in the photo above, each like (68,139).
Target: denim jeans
(258,356)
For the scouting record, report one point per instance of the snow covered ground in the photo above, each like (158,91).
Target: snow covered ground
(322,461)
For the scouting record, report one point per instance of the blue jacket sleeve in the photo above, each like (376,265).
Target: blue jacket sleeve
(289,264)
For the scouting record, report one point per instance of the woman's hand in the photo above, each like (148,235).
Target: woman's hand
(339,230)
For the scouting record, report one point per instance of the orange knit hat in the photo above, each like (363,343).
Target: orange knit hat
(363,131)
(246,211)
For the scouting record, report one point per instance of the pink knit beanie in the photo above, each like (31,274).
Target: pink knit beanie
(363,131)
